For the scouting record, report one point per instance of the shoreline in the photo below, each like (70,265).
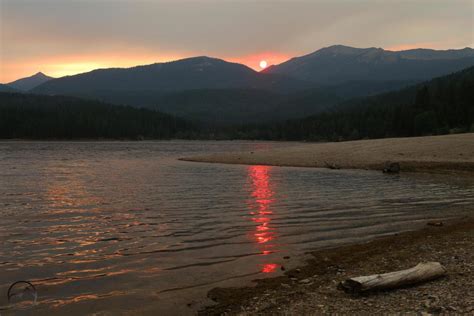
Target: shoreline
(447,153)
(131,140)
(312,288)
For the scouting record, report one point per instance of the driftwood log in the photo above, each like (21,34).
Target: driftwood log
(420,273)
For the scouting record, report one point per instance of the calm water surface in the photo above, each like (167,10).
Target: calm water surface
(119,227)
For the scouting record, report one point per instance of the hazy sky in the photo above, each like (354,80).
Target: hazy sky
(62,37)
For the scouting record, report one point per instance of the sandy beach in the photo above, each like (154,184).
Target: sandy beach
(428,154)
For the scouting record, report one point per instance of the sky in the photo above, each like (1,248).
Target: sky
(64,37)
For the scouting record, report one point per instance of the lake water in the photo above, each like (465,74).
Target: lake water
(125,227)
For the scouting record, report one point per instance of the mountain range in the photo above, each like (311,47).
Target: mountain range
(186,74)
(443,105)
(440,106)
(214,91)
(338,64)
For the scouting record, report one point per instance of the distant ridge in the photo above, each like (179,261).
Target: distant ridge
(212,90)
(186,74)
(28,83)
(339,63)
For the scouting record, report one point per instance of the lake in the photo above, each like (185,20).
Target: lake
(124,227)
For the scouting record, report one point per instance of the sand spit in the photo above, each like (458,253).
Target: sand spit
(431,153)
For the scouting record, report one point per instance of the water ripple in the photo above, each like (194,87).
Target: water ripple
(99,224)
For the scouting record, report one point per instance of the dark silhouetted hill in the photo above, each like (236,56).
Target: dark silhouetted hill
(5,88)
(56,117)
(26,84)
(439,106)
(186,74)
(337,64)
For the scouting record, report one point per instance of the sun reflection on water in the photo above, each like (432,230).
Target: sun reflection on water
(262,200)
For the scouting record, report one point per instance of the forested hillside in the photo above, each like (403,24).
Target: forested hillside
(46,117)
(338,64)
(5,88)
(440,106)
(220,107)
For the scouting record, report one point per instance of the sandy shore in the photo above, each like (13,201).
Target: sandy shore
(431,153)
(312,289)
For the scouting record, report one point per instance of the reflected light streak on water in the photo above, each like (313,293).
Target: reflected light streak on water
(262,195)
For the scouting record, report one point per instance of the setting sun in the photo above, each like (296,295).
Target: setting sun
(263,64)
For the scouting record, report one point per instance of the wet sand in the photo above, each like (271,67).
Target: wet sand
(428,154)
(312,289)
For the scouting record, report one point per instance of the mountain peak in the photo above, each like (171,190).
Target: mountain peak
(28,83)
(40,74)
(339,47)
(346,50)
(205,61)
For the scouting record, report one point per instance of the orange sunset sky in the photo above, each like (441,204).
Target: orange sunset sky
(68,37)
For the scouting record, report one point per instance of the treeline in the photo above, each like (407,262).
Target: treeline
(442,106)
(57,117)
